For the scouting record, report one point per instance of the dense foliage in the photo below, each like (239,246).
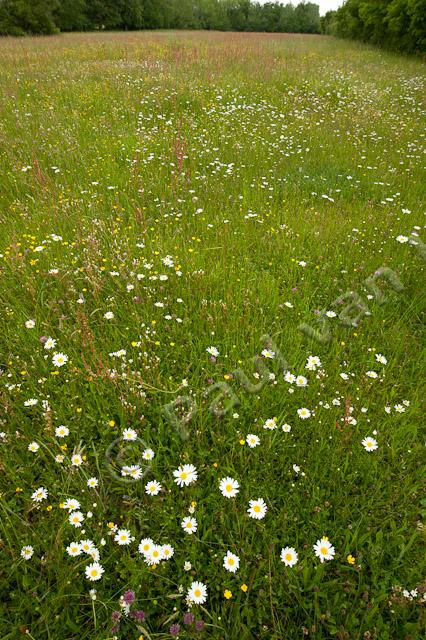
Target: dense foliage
(395,24)
(18,17)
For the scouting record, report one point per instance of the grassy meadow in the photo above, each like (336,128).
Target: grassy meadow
(212,293)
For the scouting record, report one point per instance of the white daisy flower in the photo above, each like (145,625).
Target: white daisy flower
(304,413)
(71,504)
(62,431)
(168,551)
(130,435)
(76,518)
(123,537)
(73,549)
(197,593)
(185,475)
(189,525)
(324,550)
(229,487)
(252,440)
(257,509)
(145,546)
(313,362)
(270,423)
(76,460)
(153,488)
(92,483)
(231,562)
(94,571)
(155,555)
(148,454)
(289,556)
(59,359)
(370,444)
(27,552)
(50,343)
(33,447)
(213,351)
(371,374)
(87,546)
(40,494)
(381,358)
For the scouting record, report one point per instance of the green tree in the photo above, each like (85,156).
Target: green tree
(70,15)
(18,17)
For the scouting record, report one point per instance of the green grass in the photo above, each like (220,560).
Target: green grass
(216,150)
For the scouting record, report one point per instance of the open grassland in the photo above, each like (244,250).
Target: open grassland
(226,219)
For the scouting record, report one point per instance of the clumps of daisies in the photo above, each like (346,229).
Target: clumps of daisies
(398,408)
(135,471)
(401,596)
(153,553)
(76,517)
(323,550)
(94,570)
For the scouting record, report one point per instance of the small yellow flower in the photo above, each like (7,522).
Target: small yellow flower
(193,504)
(110,525)
(79,409)
(350,559)
(244,587)
(242,441)
(49,507)
(227,594)
(18,490)
(111,423)
(215,465)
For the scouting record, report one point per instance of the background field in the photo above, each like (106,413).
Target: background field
(276,173)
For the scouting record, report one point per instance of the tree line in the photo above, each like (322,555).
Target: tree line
(19,17)
(393,24)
